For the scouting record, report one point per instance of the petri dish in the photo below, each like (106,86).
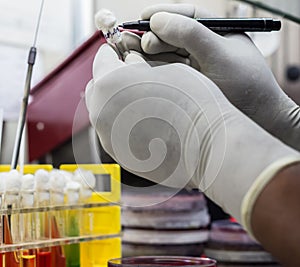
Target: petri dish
(162,261)
(229,243)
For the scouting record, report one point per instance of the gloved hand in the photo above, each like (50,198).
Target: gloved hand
(233,62)
(172,125)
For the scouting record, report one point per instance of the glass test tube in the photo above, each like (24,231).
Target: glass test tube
(27,220)
(58,220)
(11,225)
(43,227)
(106,21)
(10,258)
(28,260)
(72,251)
(87,180)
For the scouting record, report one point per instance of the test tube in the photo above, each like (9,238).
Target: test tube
(27,220)
(58,221)
(11,224)
(28,260)
(43,227)
(87,181)
(72,251)
(106,21)
(11,259)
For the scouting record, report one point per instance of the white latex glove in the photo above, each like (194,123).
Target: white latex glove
(233,62)
(172,125)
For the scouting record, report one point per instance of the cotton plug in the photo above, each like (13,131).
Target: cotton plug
(42,178)
(72,191)
(87,180)
(12,186)
(27,188)
(57,184)
(13,181)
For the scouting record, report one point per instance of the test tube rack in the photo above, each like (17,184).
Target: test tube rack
(98,242)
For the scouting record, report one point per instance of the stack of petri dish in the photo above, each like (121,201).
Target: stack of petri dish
(230,245)
(176,225)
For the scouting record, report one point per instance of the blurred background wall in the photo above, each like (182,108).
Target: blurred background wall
(68,23)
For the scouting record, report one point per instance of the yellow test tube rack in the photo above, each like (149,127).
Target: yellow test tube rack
(100,242)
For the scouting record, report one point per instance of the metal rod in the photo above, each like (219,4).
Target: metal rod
(23,111)
(22,117)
